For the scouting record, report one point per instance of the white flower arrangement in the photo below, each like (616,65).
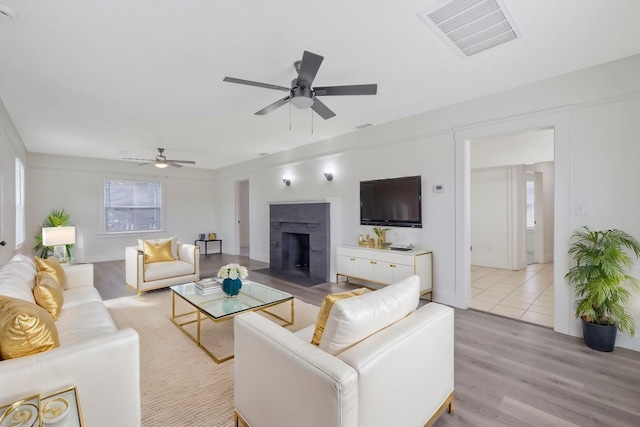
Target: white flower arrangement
(233,271)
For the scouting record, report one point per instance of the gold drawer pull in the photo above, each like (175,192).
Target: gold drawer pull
(352,259)
(373,262)
(393,266)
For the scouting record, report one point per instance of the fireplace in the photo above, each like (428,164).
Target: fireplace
(295,253)
(299,239)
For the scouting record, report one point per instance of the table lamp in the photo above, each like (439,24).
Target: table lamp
(59,237)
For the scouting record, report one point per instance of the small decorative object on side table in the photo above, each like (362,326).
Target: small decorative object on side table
(231,275)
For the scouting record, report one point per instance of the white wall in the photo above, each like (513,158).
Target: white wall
(515,149)
(76,185)
(11,146)
(490,209)
(593,112)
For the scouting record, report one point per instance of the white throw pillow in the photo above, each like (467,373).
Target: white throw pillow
(13,285)
(353,319)
(174,244)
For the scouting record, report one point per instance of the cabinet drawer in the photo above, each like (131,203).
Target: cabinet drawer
(383,256)
(352,252)
(404,259)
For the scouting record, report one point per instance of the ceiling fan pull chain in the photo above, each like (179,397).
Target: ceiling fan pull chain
(311,121)
(289,116)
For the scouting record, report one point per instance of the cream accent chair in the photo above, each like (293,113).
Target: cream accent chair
(392,373)
(145,277)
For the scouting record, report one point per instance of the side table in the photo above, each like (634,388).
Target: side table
(206,242)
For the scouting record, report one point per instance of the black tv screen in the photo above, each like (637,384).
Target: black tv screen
(395,202)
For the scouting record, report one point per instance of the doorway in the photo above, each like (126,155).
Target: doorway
(511,225)
(242,218)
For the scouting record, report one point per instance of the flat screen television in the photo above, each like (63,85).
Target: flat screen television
(394,202)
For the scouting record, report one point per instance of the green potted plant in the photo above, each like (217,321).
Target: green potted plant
(381,234)
(57,218)
(602,284)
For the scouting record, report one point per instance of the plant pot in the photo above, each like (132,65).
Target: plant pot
(599,337)
(231,287)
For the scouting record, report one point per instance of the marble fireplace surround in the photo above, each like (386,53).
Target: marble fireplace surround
(312,219)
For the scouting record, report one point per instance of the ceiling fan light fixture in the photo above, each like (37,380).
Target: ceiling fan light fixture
(302,102)
(161,165)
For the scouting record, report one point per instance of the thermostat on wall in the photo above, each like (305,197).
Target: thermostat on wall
(438,188)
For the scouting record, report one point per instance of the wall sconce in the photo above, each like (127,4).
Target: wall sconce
(329,176)
(286,181)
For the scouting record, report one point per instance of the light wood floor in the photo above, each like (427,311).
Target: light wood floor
(507,372)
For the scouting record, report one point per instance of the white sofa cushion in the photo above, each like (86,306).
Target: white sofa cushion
(23,266)
(78,323)
(76,296)
(165,269)
(354,319)
(13,285)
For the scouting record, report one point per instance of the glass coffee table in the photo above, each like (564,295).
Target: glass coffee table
(218,307)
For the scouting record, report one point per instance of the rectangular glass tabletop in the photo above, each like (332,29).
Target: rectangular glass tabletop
(253,296)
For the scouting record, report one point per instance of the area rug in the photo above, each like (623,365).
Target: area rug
(180,384)
(293,277)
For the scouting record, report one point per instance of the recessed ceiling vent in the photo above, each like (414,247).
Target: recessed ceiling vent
(364,126)
(472,26)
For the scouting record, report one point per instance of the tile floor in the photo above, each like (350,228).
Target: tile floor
(526,294)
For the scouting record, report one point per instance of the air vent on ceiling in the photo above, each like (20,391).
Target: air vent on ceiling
(364,126)
(472,26)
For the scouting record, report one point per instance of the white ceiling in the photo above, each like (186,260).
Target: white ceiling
(113,79)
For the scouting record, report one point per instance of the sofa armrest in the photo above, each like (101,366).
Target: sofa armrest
(133,259)
(188,253)
(281,380)
(105,368)
(408,365)
(79,275)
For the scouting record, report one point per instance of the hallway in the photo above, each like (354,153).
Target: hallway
(526,294)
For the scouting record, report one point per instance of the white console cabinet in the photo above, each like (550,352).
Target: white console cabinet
(384,266)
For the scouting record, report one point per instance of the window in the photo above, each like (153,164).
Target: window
(531,221)
(20,209)
(132,206)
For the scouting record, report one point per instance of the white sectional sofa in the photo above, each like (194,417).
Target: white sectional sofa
(145,277)
(94,356)
(375,366)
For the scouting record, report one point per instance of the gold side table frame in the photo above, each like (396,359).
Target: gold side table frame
(203,315)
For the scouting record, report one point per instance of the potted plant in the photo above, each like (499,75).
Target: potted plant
(55,219)
(381,233)
(602,284)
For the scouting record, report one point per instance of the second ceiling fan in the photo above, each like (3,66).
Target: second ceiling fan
(302,94)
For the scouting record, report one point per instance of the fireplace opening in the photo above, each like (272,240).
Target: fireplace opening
(295,253)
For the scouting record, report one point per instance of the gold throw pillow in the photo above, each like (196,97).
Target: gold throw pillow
(48,294)
(53,267)
(325,309)
(157,252)
(25,329)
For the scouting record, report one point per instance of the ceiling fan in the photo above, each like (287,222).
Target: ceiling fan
(301,94)
(161,161)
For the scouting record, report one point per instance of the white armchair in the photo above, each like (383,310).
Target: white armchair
(401,375)
(145,277)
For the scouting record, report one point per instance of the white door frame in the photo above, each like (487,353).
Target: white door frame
(239,215)
(559,120)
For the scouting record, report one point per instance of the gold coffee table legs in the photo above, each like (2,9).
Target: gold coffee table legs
(201,315)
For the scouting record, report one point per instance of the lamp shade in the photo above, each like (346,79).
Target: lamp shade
(54,236)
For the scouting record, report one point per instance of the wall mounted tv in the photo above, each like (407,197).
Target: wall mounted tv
(395,202)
